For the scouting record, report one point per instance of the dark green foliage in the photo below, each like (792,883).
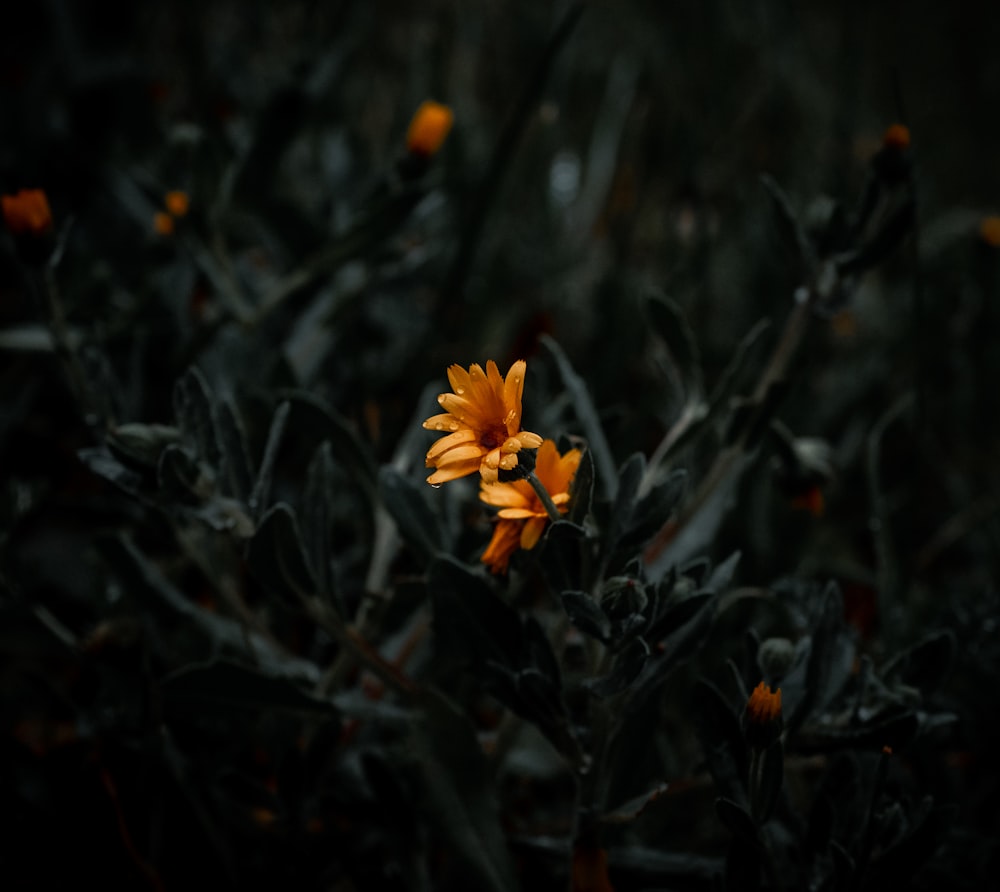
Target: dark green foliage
(244,645)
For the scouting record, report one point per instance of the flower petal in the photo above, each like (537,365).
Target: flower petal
(518,513)
(460,453)
(513,388)
(459,438)
(529,440)
(532,532)
(504,495)
(453,472)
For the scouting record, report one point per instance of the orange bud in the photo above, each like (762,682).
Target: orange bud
(762,716)
(177,203)
(989,231)
(897,136)
(429,128)
(163,223)
(811,500)
(27,212)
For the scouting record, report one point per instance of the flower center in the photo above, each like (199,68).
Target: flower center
(493,437)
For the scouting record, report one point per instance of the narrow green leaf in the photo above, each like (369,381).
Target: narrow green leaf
(457,795)
(262,487)
(193,410)
(668,322)
(319,496)
(236,469)
(585,613)
(407,503)
(587,415)
(736,818)
(276,557)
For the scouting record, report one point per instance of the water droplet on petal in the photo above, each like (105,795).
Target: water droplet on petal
(453,426)
(460,390)
(509,417)
(438,425)
(435,486)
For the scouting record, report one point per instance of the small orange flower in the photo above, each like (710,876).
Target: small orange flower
(810,500)
(429,128)
(163,223)
(896,136)
(27,212)
(483,418)
(762,717)
(177,203)
(522,517)
(989,231)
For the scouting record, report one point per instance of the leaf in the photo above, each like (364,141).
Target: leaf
(587,415)
(222,686)
(629,811)
(581,490)
(628,665)
(314,415)
(653,510)
(457,795)
(236,469)
(791,230)
(142,444)
(417,523)
(262,486)
(318,498)
(586,614)
(178,475)
(722,574)
(193,410)
(678,615)
(276,557)
(924,665)
(722,740)
(668,322)
(772,774)
(629,479)
(469,619)
(736,818)
(824,667)
(141,578)
(101,462)
(730,378)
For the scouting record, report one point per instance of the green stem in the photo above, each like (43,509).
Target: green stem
(544,497)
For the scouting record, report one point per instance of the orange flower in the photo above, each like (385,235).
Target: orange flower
(522,517)
(989,231)
(810,500)
(896,136)
(483,417)
(429,128)
(27,212)
(163,223)
(762,717)
(177,203)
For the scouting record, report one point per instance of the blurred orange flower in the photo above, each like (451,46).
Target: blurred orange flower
(522,517)
(177,203)
(27,212)
(429,128)
(896,136)
(163,223)
(989,231)
(483,418)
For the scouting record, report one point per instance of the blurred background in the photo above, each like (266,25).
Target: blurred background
(601,153)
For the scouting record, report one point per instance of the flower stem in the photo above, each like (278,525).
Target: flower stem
(544,497)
